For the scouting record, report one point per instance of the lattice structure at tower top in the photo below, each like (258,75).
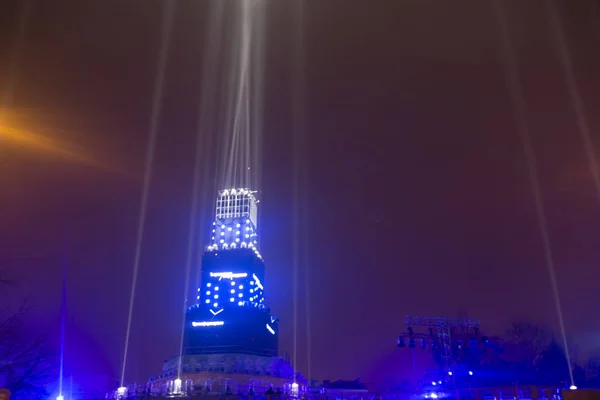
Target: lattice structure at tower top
(236,221)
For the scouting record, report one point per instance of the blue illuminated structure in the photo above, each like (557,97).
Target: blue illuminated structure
(231,315)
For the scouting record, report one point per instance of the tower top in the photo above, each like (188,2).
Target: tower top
(237,203)
(236,221)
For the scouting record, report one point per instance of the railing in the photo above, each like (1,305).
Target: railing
(498,393)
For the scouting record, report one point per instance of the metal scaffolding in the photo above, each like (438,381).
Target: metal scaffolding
(443,327)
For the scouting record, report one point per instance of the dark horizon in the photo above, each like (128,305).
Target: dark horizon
(417,193)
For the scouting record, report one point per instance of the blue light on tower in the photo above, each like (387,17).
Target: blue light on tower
(236,212)
(242,284)
(222,320)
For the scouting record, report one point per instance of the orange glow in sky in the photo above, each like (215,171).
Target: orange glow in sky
(24,139)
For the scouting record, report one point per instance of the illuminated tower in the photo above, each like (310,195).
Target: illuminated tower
(230,339)
(231,315)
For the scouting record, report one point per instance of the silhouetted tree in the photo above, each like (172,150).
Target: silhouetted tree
(552,366)
(528,342)
(532,339)
(25,359)
(541,360)
(580,378)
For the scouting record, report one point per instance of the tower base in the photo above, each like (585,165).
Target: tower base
(226,373)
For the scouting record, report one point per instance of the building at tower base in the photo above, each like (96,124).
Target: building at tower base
(223,373)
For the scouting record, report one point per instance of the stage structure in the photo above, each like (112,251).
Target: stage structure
(445,336)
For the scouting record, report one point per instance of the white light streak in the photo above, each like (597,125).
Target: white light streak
(257,281)
(207,323)
(228,275)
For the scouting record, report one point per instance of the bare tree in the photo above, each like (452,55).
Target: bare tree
(532,339)
(25,359)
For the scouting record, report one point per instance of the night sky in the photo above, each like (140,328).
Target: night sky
(416,187)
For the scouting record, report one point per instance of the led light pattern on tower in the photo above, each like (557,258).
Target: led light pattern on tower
(231,288)
(231,315)
(236,221)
